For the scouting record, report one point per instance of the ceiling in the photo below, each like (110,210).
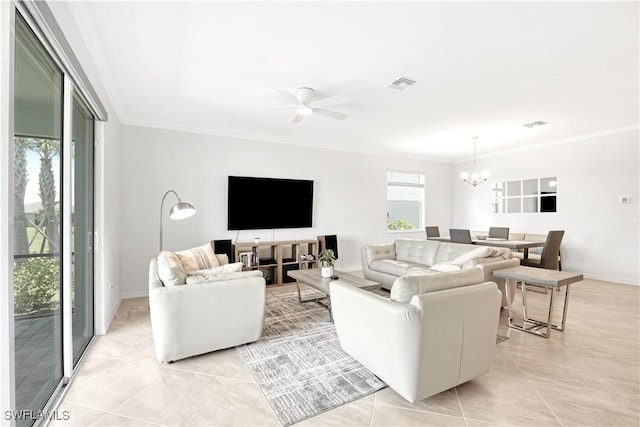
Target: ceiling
(484,68)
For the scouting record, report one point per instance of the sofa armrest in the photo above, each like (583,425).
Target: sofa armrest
(195,319)
(381,334)
(375,252)
(489,268)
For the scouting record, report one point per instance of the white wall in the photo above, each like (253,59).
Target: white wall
(107,292)
(601,234)
(349,194)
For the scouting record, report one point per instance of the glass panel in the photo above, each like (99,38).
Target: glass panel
(513,188)
(548,204)
(513,205)
(530,187)
(405,200)
(548,185)
(530,204)
(82,226)
(37,262)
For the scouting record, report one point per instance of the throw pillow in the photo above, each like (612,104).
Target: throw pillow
(217,274)
(222,259)
(170,269)
(445,266)
(480,252)
(199,258)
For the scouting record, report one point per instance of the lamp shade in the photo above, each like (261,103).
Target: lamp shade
(181,210)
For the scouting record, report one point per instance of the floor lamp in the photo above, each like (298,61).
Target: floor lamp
(180,210)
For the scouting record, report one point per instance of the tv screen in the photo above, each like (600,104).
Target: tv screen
(265,203)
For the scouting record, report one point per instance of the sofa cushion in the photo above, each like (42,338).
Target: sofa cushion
(417,251)
(199,258)
(420,271)
(170,269)
(393,267)
(446,266)
(404,288)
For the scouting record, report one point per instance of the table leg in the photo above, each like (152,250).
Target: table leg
(319,301)
(526,253)
(507,291)
(550,315)
(564,309)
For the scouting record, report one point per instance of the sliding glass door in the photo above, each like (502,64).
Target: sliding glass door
(38,106)
(83,237)
(54,235)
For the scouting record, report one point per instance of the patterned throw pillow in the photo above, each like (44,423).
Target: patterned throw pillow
(199,258)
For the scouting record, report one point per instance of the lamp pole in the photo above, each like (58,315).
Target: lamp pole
(180,210)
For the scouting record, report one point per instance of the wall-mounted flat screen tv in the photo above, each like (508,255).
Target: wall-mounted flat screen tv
(264,203)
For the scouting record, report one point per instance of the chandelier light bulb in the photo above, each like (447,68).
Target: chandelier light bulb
(474,178)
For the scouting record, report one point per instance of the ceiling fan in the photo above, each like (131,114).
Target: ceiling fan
(305,104)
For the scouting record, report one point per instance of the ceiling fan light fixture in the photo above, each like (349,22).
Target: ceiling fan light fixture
(305,110)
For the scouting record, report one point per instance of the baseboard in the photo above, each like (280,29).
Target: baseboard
(620,280)
(137,294)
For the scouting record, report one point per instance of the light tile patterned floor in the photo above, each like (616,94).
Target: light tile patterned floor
(587,376)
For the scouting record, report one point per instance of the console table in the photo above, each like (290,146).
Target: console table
(278,256)
(551,279)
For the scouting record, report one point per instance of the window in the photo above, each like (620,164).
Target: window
(405,200)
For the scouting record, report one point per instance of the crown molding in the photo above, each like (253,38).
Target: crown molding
(577,138)
(276,139)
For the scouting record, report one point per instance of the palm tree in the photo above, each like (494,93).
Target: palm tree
(20,178)
(47,149)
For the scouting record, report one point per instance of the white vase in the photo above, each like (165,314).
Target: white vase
(327,271)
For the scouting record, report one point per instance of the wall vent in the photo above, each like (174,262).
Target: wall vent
(402,83)
(534,124)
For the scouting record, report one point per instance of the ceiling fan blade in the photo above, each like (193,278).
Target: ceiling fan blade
(330,102)
(298,118)
(329,113)
(278,108)
(289,96)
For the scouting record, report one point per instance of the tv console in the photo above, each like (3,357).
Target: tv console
(275,258)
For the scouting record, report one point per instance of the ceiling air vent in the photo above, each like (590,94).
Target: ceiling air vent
(534,124)
(402,83)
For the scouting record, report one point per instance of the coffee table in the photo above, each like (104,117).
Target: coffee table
(550,279)
(312,277)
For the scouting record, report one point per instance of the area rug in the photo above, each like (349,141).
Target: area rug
(298,362)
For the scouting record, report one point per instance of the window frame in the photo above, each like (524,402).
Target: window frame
(421,183)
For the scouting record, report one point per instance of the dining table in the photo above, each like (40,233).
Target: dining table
(514,245)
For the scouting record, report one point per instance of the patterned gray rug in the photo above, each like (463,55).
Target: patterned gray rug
(298,362)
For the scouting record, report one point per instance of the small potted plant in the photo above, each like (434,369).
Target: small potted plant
(327,259)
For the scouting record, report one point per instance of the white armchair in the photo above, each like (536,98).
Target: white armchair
(188,320)
(443,337)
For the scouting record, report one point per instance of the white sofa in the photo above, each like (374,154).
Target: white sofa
(385,263)
(435,332)
(187,320)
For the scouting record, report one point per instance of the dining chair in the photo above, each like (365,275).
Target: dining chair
(460,235)
(549,257)
(498,233)
(432,231)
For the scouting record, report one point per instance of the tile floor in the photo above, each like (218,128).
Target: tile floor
(586,376)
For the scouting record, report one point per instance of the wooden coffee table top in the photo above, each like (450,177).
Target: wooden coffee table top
(313,278)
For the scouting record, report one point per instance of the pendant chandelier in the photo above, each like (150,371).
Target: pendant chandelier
(474,178)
